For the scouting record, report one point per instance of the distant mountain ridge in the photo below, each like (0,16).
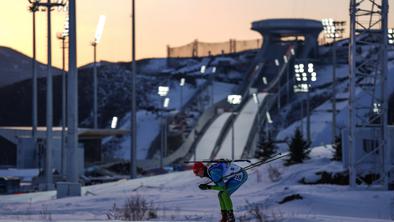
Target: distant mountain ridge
(16,66)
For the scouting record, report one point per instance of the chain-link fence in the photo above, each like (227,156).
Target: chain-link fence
(200,49)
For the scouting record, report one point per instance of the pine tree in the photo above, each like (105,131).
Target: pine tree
(266,147)
(297,148)
(337,149)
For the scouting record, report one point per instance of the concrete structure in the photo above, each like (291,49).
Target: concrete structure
(29,157)
(274,30)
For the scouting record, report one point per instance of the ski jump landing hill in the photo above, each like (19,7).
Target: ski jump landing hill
(293,38)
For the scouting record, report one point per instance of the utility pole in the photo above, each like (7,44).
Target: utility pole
(34,8)
(62,37)
(72,111)
(94,86)
(133,119)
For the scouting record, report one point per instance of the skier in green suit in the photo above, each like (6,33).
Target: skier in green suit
(228,177)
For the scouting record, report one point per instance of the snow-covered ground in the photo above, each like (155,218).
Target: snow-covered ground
(242,127)
(177,198)
(207,143)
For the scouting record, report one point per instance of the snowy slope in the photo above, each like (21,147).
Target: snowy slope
(178,198)
(207,143)
(242,127)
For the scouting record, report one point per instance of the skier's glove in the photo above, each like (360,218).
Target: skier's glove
(204,186)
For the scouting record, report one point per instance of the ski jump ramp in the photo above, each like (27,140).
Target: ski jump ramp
(242,128)
(207,143)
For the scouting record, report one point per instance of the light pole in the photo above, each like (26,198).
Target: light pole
(34,8)
(133,119)
(212,80)
(233,100)
(333,30)
(62,37)
(164,101)
(49,94)
(99,32)
(304,77)
(181,84)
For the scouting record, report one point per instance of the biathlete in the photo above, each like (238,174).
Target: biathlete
(228,177)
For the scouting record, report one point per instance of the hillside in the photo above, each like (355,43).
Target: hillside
(16,67)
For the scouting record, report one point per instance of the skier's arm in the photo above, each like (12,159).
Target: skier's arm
(217,178)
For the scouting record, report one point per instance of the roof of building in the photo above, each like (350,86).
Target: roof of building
(287,26)
(12,133)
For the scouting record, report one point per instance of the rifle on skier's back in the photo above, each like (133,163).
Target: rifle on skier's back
(219,161)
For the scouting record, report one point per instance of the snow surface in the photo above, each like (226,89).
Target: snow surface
(177,198)
(242,128)
(207,143)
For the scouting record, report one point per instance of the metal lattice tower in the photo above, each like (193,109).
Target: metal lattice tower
(368,94)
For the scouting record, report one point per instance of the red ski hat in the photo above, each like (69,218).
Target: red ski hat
(197,167)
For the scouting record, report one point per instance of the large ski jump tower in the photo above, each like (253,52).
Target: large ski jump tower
(368,94)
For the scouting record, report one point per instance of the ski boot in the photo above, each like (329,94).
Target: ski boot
(230,216)
(224,216)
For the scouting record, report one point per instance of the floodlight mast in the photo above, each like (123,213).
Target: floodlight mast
(49,95)
(164,101)
(34,8)
(133,119)
(333,30)
(62,36)
(97,38)
(233,100)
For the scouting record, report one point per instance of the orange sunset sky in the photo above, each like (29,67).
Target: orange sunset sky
(159,22)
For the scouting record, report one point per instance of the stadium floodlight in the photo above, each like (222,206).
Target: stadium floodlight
(285,59)
(265,80)
(333,29)
(390,33)
(182,82)
(255,98)
(377,107)
(166,102)
(269,120)
(234,99)
(114,122)
(99,29)
(304,77)
(163,90)
(203,68)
